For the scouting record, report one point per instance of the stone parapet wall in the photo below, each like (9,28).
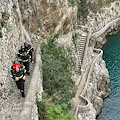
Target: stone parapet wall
(111,25)
(29,111)
(85,110)
(98,57)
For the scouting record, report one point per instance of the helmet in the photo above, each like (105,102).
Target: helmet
(16,65)
(22,48)
(25,44)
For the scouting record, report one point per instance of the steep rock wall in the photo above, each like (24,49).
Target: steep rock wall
(99,78)
(36,18)
(25,20)
(13,36)
(98,85)
(48,16)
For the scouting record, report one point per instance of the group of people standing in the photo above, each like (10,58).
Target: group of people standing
(21,67)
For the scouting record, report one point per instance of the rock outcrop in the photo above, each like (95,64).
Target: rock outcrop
(13,35)
(102,26)
(98,85)
(46,17)
(28,20)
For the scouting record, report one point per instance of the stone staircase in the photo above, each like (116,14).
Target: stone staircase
(82,47)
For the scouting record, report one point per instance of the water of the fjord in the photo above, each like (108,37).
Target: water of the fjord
(111,104)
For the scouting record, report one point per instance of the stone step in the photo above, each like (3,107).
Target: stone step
(81,56)
(82,43)
(82,46)
(83,38)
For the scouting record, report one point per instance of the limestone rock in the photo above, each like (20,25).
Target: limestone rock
(47,16)
(98,86)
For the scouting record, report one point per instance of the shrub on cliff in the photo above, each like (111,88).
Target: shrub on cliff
(53,112)
(57,67)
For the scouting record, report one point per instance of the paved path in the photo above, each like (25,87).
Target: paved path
(81,86)
(10,108)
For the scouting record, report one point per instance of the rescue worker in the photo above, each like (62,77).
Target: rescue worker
(29,50)
(21,66)
(18,74)
(21,51)
(25,59)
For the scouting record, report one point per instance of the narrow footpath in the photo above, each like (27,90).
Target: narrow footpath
(11,108)
(81,85)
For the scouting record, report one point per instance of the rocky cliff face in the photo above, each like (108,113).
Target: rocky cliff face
(28,20)
(106,14)
(12,36)
(48,16)
(99,78)
(98,85)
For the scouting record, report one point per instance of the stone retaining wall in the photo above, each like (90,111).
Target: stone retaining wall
(85,112)
(29,111)
(98,57)
(111,24)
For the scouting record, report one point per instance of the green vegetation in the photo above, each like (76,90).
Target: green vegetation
(40,25)
(45,95)
(3,14)
(94,7)
(59,112)
(57,67)
(11,91)
(1,34)
(93,37)
(14,6)
(74,40)
(53,111)
(59,88)
(112,8)
(19,36)
(42,110)
(10,28)
(72,2)
(84,7)
(2,23)
(107,2)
